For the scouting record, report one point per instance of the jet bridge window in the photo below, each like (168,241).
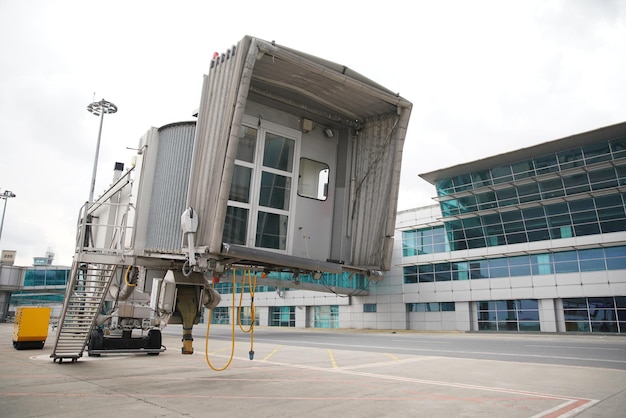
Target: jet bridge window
(261,191)
(313,179)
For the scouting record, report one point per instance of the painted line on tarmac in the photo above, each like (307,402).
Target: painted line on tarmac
(390,363)
(571,406)
(487,353)
(575,347)
(392,356)
(332,358)
(274,351)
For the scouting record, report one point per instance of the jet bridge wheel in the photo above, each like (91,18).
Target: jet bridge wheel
(96,342)
(154,340)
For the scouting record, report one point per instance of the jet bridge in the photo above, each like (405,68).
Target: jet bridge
(291,169)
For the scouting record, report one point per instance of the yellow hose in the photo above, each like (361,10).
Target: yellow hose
(232,341)
(126,277)
(251,289)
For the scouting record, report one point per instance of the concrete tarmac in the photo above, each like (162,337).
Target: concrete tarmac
(289,381)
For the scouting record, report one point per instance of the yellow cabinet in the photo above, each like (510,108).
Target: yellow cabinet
(31,327)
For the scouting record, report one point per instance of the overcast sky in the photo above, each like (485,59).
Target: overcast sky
(484,77)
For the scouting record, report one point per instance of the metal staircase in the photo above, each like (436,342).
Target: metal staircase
(84,298)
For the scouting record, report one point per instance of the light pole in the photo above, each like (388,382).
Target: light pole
(98,109)
(5,195)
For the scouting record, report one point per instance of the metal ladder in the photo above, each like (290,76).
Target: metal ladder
(85,295)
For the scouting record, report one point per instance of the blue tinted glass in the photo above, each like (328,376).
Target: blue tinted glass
(596,152)
(519,266)
(618,147)
(501,174)
(479,269)
(507,197)
(523,169)
(551,188)
(449,207)
(565,256)
(581,205)
(527,304)
(557,209)
(576,183)
(444,187)
(592,265)
(570,158)
(532,213)
(410,274)
(462,182)
(566,267)
(603,179)
(611,252)
(481,178)
(409,243)
(426,273)
(594,253)
(497,272)
(546,164)
(514,215)
(541,264)
(608,201)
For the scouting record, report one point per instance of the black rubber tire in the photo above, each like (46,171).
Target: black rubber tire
(154,339)
(96,342)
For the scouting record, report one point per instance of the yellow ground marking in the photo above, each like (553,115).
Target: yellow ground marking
(392,356)
(332,358)
(274,351)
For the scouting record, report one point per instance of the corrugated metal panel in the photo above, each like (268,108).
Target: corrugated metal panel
(377,177)
(219,115)
(169,190)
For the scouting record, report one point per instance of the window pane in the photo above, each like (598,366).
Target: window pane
(570,158)
(410,274)
(576,183)
(247,144)
(278,152)
(426,273)
(271,231)
(501,174)
(546,164)
(240,186)
(447,306)
(519,266)
(409,243)
(551,188)
(313,179)
(275,191)
(235,226)
(597,152)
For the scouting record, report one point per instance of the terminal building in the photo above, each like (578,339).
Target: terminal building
(530,240)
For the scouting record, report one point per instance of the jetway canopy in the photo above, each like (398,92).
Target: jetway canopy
(370,123)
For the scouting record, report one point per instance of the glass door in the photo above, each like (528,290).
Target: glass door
(261,193)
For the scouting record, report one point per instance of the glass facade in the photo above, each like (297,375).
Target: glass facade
(588,216)
(567,194)
(594,259)
(220,315)
(282,316)
(326,316)
(606,314)
(431,307)
(244,316)
(578,191)
(46,277)
(508,315)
